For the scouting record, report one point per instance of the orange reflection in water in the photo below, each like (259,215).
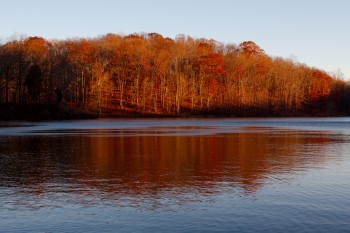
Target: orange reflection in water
(122,163)
(147,163)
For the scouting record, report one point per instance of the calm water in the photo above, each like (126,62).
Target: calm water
(195,175)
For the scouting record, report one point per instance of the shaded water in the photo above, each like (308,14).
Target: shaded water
(227,175)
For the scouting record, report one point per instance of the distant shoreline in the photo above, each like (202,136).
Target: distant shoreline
(40,112)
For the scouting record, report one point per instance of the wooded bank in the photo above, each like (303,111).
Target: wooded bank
(149,75)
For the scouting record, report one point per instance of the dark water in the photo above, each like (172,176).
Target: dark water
(217,175)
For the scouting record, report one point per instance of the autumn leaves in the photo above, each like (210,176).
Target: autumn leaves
(150,74)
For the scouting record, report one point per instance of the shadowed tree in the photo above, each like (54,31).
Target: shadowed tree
(34,83)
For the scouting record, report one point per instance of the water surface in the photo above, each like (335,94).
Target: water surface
(187,175)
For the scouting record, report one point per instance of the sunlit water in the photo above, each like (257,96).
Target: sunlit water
(176,175)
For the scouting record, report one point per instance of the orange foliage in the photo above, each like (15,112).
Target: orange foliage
(150,74)
(321,84)
(250,48)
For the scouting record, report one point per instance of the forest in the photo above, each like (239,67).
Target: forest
(149,75)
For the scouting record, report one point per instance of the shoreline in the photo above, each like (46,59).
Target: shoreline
(42,112)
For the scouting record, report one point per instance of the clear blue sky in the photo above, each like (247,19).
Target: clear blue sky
(316,32)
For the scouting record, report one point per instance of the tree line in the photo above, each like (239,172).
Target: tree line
(150,74)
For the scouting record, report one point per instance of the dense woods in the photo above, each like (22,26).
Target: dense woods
(147,74)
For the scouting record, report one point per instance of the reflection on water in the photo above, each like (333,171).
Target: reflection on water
(144,165)
(154,169)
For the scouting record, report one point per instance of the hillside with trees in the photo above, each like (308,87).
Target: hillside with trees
(149,75)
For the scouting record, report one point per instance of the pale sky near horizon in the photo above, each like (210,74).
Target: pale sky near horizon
(315,32)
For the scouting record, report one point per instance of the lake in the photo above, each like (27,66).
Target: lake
(176,175)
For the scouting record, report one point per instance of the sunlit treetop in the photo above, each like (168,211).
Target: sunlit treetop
(250,48)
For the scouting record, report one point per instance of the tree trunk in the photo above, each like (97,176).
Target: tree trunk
(7,86)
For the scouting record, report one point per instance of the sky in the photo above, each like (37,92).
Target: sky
(314,32)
